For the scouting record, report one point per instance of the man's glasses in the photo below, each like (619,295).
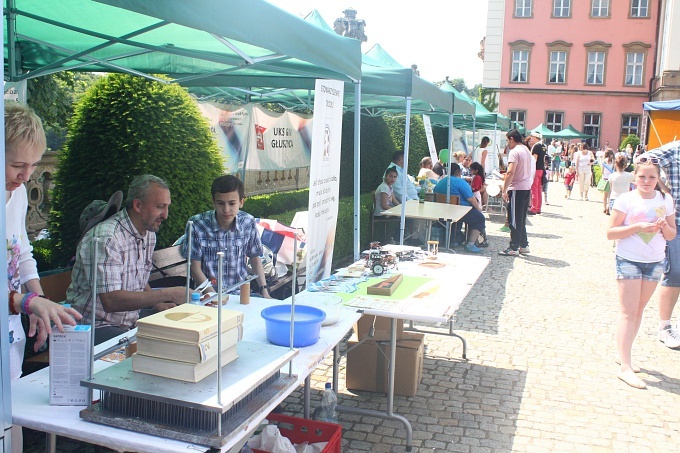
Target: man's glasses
(652,160)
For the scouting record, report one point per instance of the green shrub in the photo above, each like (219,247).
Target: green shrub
(633,139)
(43,253)
(266,206)
(127,126)
(418,147)
(377,148)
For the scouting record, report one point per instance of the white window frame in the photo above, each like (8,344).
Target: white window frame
(552,123)
(561,8)
(599,8)
(595,67)
(626,127)
(639,8)
(592,128)
(556,64)
(520,66)
(517,114)
(635,68)
(523,8)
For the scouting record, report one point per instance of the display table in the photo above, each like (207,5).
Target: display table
(30,395)
(432,291)
(430,211)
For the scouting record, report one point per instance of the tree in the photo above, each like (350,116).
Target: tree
(632,140)
(487,97)
(127,126)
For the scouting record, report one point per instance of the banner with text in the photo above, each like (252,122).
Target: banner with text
(324,178)
(430,139)
(259,139)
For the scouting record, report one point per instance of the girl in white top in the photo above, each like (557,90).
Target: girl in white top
(384,196)
(642,221)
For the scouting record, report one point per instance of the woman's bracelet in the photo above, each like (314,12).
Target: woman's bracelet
(26,301)
(12,310)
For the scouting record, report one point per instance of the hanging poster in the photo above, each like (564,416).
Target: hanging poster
(430,139)
(231,128)
(261,140)
(324,178)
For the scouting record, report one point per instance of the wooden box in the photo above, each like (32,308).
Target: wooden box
(386,287)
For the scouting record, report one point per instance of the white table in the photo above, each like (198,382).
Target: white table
(430,211)
(448,287)
(30,395)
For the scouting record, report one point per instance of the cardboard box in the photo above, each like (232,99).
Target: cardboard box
(69,364)
(367,365)
(382,327)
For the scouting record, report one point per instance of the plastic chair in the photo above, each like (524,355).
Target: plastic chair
(453,199)
(380,219)
(495,201)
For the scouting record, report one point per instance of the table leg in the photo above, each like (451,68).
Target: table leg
(50,443)
(389,414)
(307,396)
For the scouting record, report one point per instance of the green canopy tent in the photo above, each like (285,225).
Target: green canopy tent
(570,133)
(251,41)
(543,130)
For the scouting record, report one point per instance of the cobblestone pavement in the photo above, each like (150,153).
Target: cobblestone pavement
(540,374)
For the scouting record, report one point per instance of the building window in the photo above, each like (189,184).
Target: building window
(591,126)
(558,67)
(553,120)
(595,74)
(520,66)
(522,8)
(630,124)
(639,8)
(600,8)
(561,8)
(634,68)
(518,116)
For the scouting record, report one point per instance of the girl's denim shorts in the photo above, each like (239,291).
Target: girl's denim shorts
(633,270)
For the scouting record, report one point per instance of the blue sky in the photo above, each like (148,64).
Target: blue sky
(440,36)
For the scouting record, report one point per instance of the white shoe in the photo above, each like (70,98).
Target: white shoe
(670,337)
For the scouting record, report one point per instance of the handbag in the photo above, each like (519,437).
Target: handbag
(603,185)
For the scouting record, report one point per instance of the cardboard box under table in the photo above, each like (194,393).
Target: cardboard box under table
(367,365)
(381,326)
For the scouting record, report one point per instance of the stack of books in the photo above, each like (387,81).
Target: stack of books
(181,343)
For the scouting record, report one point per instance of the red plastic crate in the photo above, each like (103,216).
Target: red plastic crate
(300,430)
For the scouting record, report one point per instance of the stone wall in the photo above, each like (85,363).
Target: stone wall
(38,188)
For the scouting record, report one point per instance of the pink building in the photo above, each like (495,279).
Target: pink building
(588,63)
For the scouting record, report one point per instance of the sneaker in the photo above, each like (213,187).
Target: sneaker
(587,199)
(505,229)
(524,250)
(472,248)
(509,252)
(482,244)
(531,213)
(669,336)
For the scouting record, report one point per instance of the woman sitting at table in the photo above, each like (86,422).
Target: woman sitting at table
(426,171)
(384,196)
(474,218)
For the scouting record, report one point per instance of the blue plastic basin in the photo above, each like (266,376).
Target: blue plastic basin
(307,325)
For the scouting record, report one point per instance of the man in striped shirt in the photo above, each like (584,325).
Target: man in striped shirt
(668,157)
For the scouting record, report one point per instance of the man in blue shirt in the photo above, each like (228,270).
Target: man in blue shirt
(474,218)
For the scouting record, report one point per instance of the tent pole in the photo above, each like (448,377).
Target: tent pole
(448,186)
(404,180)
(357,174)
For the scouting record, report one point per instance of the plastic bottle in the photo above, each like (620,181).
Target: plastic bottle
(328,402)
(196,298)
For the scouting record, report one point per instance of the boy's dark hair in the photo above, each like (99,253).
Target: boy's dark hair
(226,184)
(396,155)
(391,170)
(515,135)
